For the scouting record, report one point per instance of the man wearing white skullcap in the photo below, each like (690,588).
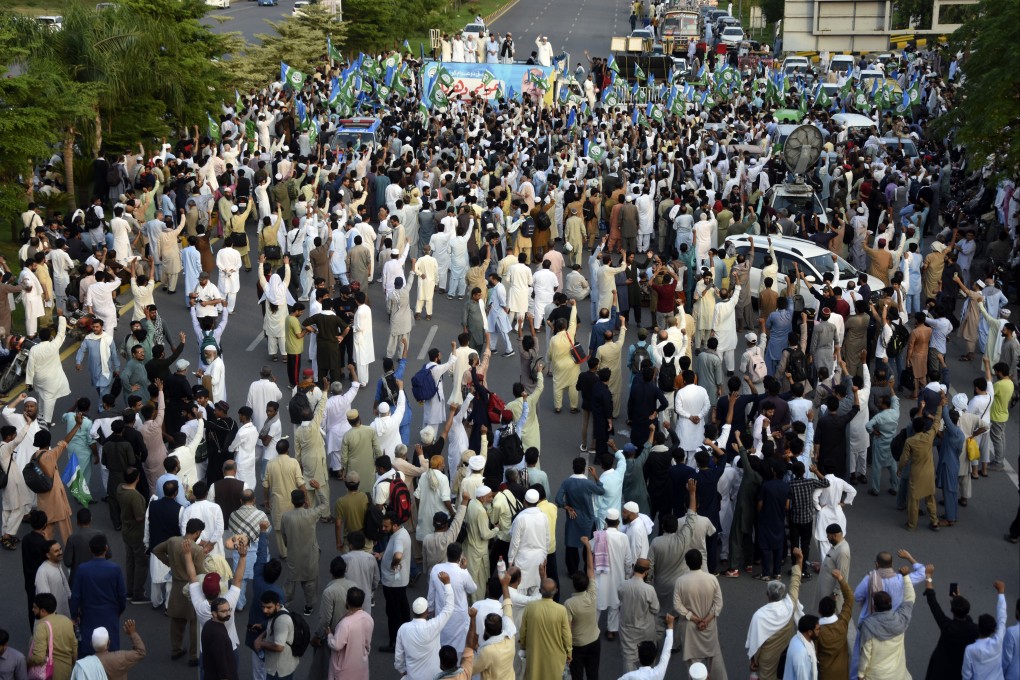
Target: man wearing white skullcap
(637,526)
(971,425)
(473,480)
(416,653)
(621,561)
(529,542)
(387,425)
(117,664)
(479,531)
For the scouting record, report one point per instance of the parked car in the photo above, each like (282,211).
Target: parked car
(731,35)
(222,4)
(811,259)
(52,22)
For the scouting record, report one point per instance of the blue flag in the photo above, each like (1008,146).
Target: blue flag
(407,46)
(634,114)
(302,111)
(633,90)
(648,110)
(564,93)
(388,79)
(334,90)
(587,143)
(421,49)
(572,118)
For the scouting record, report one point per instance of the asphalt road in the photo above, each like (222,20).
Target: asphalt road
(572,27)
(247,18)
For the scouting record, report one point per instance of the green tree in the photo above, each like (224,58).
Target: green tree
(773,10)
(916,14)
(986,113)
(299,40)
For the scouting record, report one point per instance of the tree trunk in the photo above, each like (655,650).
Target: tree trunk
(97,141)
(69,169)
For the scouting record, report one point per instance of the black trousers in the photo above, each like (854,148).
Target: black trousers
(293,369)
(347,351)
(712,547)
(398,611)
(574,559)
(800,537)
(585,661)
(552,571)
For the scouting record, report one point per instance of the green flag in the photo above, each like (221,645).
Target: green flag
(611,99)
(332,52)
(658,113)
(487,78)
(444,77)
(250,134)
(823,99)
(399,87)
(861,101)
(596,153)
(642,95)
(291,76)
(214,128)
(638,73)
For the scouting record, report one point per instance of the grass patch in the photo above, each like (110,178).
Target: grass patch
(44,7)
(452,20)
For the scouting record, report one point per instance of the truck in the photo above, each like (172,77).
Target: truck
(679,27)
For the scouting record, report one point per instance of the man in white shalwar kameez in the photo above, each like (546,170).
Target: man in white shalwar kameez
(724,325)
(364,341)
(499,315)
(609,578)
(637,526)
(387,425)
(45,373)
(829,503)
(454,633)
(519,279)
(439,245)
(228,261)
(426,268)
(529,542)
(544,284)
(434,412)
(18,498)
(336,423)
(260,393)
(31,298)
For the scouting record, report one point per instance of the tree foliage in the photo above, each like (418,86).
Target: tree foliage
(381,24)
(986,114)
(135,72)
(299,40)
(916,14)
(773,10)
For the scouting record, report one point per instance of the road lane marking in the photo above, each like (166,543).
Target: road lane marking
(256,341)
(428,343)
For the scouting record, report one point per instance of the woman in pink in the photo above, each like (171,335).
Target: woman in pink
(351,641)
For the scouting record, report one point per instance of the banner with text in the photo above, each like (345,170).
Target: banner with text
(490,81)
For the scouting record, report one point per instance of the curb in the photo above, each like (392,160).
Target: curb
(495,16)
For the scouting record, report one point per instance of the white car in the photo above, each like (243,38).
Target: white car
(853,123)
(812,260)
(298,6)
(478,29)
(222,4)
(52,22)
(732,35)
(842,63)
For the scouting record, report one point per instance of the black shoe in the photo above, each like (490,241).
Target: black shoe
(176,655)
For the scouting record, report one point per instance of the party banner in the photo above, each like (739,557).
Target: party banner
(490,81)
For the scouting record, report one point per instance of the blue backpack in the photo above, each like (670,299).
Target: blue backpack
(423,385)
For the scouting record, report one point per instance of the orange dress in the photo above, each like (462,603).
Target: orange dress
(54,502)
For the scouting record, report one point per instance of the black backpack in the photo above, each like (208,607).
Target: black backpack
(796,364)
(372,527)
(898,342)
(302,633)
(542,221)
(667,375)
(528,228)
(510,445)
(298,403)
(92,220)
(588,210)
(113,176)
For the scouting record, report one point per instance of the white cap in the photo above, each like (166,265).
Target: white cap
(233,208)
(31,400)
(861,210)
(697,671)
(476,463)
(751,338)
(960,401)
(631,506)
(394,252)
(420,606)
(531,496)
(384,408)
(612,514)
(482,491)
(279,176)
(100,637)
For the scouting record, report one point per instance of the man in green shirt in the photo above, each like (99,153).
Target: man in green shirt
(294,343)
(134,377)
(1002,392)
(132,517)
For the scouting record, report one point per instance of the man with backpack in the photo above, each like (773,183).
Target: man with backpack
(427,388)
(284,639)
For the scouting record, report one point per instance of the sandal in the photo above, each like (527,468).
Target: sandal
(7,543)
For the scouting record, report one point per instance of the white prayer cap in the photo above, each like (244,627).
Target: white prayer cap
(279,176)
(960,401)
(31,400)
(384,408)
(531,496)
(100,637)
(612,514)
(631,506)
(394,252)
(861,210)
(1004,313)
(233,208)
(697,671)
(482,491)
(476,463)
(420,606)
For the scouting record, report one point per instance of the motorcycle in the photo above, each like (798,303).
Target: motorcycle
(79,321)
(19,346)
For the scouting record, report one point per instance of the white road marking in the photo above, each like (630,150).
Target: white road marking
(256,341)
(428,343)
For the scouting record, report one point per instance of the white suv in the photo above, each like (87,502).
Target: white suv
(813,260)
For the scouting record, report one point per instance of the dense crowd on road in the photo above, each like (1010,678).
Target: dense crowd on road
(727,433)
